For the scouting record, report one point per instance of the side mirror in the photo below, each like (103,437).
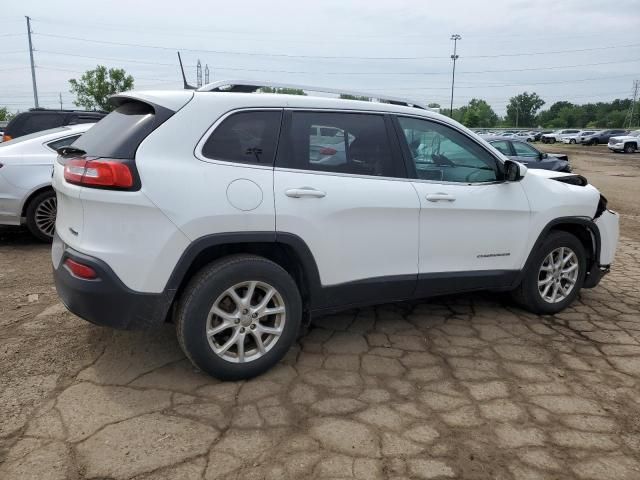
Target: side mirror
(512,171)
(544,155)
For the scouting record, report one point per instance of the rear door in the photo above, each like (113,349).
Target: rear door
(349,200)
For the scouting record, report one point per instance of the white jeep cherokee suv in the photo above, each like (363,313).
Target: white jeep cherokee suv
(212,209)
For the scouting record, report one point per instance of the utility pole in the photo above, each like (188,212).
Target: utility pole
(628,121)
(33,68)
(455,37)
(199,74)
(60,95)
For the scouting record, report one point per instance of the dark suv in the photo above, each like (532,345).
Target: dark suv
(38,119)
(602,137)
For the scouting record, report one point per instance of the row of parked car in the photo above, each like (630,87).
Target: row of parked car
(618,140)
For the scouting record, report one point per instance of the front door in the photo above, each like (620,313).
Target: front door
(473,226)
(340,185)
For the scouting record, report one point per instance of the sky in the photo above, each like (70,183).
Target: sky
(579,51)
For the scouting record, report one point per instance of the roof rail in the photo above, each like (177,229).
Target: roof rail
(248,86)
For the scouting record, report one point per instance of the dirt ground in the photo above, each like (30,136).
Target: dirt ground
(459,387)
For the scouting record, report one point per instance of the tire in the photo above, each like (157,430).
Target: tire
(528,293)
(629,148)
(209,287)
(41,215)
(572,141)
(552,140)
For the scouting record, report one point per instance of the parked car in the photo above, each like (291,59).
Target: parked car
(578,137)
(26,196)
(522,152)
(557,135)
(204,207)
(538,135)
(39,119)
(526,136)
(602,137)
(625,143)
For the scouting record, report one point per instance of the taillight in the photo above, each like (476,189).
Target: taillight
(80,270)
(99,173)
(328,151)
(6,138)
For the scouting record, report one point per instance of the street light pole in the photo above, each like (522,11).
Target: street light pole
(455,37)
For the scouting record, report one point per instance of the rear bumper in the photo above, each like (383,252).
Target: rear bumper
(105,300)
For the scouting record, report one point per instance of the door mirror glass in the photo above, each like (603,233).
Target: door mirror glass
(544,155)
(512,171)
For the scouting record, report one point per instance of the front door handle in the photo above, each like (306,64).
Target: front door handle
(440,197)
(304,192)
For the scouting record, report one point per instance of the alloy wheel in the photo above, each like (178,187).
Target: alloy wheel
(246,321)
(45,216)
(558,274)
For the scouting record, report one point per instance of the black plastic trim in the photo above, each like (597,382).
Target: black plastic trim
(106,300)
(443,283)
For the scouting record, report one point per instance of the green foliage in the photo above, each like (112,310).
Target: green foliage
(5,114)
(479,113)
(591,115)
(345,96)
(434,105)
(96,86)
(522,109)
(286,91)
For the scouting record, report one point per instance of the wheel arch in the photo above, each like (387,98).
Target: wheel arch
(31,196)
(287,250)
(583,228)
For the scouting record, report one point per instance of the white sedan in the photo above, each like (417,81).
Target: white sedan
(26,163)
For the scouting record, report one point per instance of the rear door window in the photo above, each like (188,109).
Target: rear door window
(41,121)
(245,137)
(350,143)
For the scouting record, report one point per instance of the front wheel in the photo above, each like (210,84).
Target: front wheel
(629,148)
(41,215)
(554,276)
(572,141)
(238,317)
(552,140)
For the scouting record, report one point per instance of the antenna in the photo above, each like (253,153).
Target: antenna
(184,78)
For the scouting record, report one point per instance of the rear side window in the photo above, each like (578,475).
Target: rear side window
(502,146)
(63,142)
(36,122)
(245,137)
(352,143)
(119,134)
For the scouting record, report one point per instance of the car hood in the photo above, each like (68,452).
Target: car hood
(547,173)
(623,138)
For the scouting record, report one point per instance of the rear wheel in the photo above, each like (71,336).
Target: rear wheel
(629,148)
(554,276)
(41,215)
(552,140)
(238,317)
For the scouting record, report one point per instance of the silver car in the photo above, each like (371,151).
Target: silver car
(26,163)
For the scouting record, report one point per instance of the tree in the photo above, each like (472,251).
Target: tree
(5,114)
(522,109)
(478,113)
(96,86)
(286,91)
(434,105)
(346,96)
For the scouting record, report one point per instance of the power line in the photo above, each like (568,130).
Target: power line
(222,67)
(331,57)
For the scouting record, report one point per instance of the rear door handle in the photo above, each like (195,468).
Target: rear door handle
(304,192)
(440,197)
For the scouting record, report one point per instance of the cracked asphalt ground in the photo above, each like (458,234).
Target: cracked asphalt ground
(466,386)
